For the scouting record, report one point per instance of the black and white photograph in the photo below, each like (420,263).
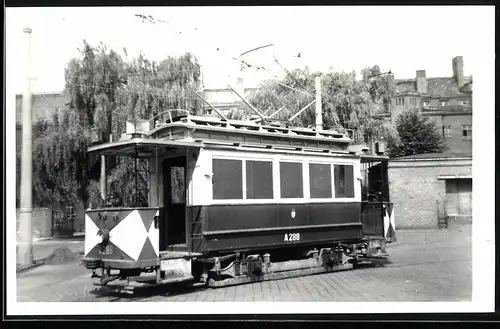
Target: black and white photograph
(249,160)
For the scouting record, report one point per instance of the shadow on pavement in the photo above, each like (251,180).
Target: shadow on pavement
(167,290)
(374,262)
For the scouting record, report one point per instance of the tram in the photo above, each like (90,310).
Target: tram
(233,201)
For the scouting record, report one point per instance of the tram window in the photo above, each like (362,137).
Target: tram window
(227,179)
(177,185)
(320,180)
(344,181)
(291,180)
(259,179)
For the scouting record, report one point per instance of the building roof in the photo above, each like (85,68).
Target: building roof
(436,87)
(442,155)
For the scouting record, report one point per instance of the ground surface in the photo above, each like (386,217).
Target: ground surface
(425,265)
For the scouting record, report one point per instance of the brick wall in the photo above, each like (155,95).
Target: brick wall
(415,188)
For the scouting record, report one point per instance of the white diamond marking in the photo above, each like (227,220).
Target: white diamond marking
(154,237)
(129,235)
(91,237)
(386,223)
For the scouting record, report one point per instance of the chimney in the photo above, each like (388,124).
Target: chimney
(421,81)
(458,70)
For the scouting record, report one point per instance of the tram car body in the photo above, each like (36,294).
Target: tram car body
(234,201)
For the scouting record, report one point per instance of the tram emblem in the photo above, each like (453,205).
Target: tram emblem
(293,213)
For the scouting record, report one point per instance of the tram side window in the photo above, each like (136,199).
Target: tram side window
(320,180)
(291,180)
(259,179)
(227,179)
(344,181)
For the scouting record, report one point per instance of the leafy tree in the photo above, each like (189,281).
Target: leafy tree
(417,135)
(347,103)
(104,91)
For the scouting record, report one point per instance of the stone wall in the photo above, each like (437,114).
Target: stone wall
(41,220)
(415,189)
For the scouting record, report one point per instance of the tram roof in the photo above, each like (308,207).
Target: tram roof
(373,158)
(186,131)
(140,147)
(147,147)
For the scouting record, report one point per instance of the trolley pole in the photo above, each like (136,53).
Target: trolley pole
(25,251)
(319,114)
(104,178)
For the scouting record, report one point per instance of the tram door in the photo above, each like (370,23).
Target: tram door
(175,201)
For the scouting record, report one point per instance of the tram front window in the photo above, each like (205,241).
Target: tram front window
(126,184)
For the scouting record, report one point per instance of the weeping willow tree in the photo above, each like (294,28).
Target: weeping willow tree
(59,167)
(347,102)
(103,91)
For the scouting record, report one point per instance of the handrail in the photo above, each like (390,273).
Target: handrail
(171,118)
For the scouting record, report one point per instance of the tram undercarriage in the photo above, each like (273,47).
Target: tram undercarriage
(236,269)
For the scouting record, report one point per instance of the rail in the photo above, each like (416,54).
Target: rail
(173,115)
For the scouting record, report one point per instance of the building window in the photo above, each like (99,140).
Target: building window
(320,180)
(344,181)
(467,132)
(447,131)
(400,101)
(227,179)
(259,179)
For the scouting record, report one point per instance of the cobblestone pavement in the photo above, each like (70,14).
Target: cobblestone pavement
(425,265)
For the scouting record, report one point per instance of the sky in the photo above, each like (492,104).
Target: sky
(401,39)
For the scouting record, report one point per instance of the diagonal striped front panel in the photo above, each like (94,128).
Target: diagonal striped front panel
(133,234)
(91,237)
(389,223)
(129,235)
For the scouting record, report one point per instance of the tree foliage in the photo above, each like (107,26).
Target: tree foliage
(103,91)
(417,135)
(347,103)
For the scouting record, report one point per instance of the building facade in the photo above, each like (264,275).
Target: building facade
(427,186)
(447,101)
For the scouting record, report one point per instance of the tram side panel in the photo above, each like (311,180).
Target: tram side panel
(253,224)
